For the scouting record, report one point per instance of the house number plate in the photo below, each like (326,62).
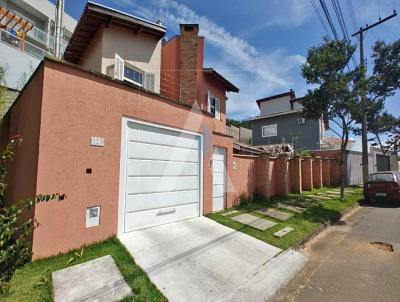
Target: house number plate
(97,141)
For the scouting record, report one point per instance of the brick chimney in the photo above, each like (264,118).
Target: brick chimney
(188,63)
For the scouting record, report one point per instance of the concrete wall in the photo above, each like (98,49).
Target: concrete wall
(140,50)
(75,106)
(16,63)
(278,105)
(305,136)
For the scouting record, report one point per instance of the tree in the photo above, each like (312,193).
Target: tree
(15,231)
(382,83)
(382,125)
(238,123)
(335,96)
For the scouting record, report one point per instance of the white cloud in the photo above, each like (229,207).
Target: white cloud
(257,74)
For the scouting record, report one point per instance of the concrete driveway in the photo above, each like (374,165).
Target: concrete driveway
(202,260)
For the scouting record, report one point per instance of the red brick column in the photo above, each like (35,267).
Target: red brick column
(317,172)
(282,181)
(326,172)
(306,174)
(295,175)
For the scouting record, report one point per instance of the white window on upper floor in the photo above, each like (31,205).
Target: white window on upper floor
(125,71)
(269,130)
(214,105)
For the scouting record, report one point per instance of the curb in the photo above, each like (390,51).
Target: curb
(301,243)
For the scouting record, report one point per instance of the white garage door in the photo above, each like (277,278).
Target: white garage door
(162,176)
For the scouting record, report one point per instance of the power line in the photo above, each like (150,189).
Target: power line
(328,17)
(343,26)
(350,7)
(321,20)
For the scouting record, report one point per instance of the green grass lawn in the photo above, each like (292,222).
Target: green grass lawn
(317,212)
(33,281)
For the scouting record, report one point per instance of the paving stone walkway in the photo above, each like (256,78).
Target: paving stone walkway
(283,232)
(230,213)
(295,209)
(275,214)
(254,221)
(95,280)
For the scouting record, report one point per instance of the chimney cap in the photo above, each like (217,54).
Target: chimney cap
(189,27)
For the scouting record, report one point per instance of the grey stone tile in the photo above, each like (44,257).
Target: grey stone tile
(292,208)
(283,232)
(254,221)
(95,280)
(230,213)
(275,214)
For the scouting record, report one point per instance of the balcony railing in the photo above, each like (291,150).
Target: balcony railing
(26,47)
(39,35)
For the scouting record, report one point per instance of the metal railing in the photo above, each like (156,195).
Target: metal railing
(39,35)
(24,46)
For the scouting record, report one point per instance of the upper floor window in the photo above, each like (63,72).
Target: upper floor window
(125,71)
(133,75)
(214,105)
(269,130)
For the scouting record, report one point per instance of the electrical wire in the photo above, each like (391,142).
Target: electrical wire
(328,17)
(321,20)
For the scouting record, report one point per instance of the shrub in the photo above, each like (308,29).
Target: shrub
(15,232)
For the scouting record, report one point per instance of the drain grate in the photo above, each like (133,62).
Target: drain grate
(383,246)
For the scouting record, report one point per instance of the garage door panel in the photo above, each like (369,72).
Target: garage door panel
(137,185)
(218,190)
(162,176)
(138,167)
(143,219)
(148,151)
(140,202)
(218,178)
(149,134)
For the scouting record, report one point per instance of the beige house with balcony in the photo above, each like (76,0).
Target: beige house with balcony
(125,47)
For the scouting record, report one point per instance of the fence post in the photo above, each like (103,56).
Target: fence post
(317,172)
(283,167)
(296,185)
(306,173)
(326,172)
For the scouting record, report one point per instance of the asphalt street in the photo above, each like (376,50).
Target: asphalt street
(345,266)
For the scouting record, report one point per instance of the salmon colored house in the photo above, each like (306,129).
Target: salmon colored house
(129,128)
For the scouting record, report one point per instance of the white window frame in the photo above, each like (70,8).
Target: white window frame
(273,126)
(130,66)
(119,71)
(216,106)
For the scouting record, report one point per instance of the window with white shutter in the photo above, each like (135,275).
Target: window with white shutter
(214,105)
(119,68)
(149,81)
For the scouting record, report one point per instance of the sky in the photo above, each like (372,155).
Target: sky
(260,45)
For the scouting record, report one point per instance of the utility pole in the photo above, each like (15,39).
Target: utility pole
(364,126)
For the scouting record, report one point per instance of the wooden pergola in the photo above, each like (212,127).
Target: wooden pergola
(9,20)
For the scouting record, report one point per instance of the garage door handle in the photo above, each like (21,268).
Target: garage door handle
(166,211)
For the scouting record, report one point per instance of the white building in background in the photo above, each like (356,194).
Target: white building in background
(18,60)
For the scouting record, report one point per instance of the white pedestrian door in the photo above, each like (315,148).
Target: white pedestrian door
(219,179)
(162,178)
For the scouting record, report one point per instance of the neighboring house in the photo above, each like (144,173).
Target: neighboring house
(126,156)
(20,57)
(185,78)
(280,122)
(334,143)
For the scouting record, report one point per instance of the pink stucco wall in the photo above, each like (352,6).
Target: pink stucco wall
(71,105)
